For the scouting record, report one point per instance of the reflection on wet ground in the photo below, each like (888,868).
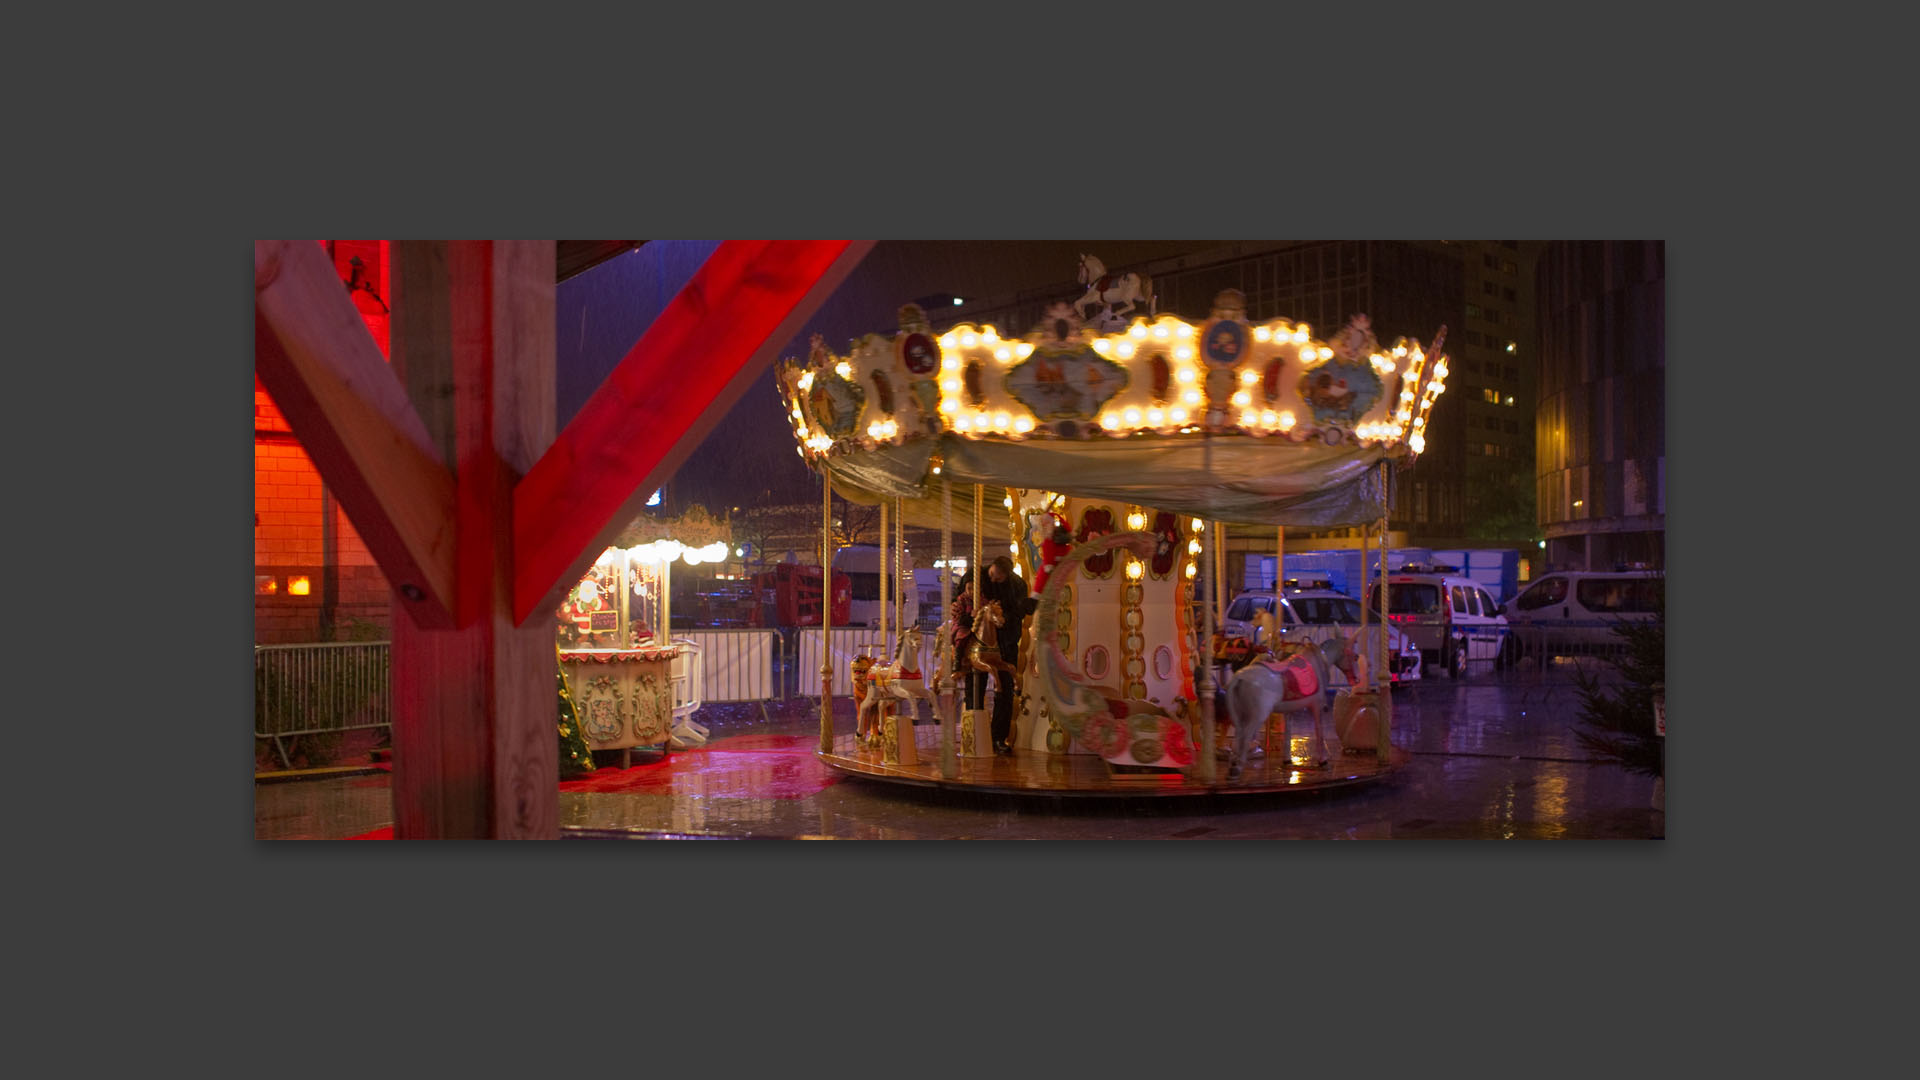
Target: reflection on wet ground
(1492,758)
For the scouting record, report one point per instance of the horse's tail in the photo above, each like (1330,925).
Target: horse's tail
(1146,290)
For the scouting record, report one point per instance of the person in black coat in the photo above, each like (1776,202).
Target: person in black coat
(1010,590)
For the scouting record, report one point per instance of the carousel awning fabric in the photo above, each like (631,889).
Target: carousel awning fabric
(1242,479)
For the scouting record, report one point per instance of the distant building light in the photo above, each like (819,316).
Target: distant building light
(1579,502)
(299,585)
(958,301)
(1509,346)
(655,501)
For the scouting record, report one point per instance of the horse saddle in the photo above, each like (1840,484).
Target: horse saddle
(1297,677)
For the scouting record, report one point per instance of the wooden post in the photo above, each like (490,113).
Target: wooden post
(473,706)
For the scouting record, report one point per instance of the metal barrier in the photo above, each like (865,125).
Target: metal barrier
(686,672)
(319,689)
(848,642)
(736,665)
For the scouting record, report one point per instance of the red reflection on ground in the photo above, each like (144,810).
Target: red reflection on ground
(738,766)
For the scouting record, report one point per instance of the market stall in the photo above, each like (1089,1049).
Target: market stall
(634,685)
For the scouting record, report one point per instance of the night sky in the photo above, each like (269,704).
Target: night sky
(749,458)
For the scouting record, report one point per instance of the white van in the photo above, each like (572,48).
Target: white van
(1573,612)
(1313,611)
(861,563)
(1453,619)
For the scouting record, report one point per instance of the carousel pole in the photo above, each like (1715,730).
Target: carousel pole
(886,541)
(1366,568)
(1208,770)
(978,572)
(1382,747)
(1279,562)
(826,608)
(1221,597)
(949,764)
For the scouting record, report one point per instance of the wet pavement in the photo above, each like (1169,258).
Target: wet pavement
(1493,756)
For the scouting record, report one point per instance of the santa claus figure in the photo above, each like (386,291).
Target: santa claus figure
(1052,549)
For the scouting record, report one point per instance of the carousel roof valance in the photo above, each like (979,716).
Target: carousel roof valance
(1259,423)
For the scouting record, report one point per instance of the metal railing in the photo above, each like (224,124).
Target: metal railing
(848,642)
(319,689)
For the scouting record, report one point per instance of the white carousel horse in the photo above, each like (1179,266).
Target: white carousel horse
(1259,690)
(898,681)
(1111,289)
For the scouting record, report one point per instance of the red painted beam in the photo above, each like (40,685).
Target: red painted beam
(740,308)
(313,353)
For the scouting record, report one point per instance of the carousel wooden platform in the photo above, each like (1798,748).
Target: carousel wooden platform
(1031,772)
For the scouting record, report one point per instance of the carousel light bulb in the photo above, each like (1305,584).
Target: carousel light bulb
(1155,417)
(1192,569)
(968,341)
(1300,334)
(1261,333)
(1184,375)
(1013,549)
(1101,346)
(1185,330)
(990,335)
(1136,521)
(1178,414)
(950,363)
(1007,502)
(1138,330)
(1286,421)
(1198,525)
(1191,397)
(1326,353)
(951,386)
(1134,570)
(1243,399)
(1003,353)
(1249,376)
(1132,415)
(1023,349)
(960,422)
(806,381)
(1418,442)
(1269,418)
(1399,350)
(1023,424)
(1124,350)
(843,369)
(949,341)
(1183,353)
(1193,547)
(1001,421)
(1160,332)
(1109,421)
(1246,419)
(947,405)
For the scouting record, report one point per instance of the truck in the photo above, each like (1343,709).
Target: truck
(861,564)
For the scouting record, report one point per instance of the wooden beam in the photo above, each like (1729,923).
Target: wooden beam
(314,355)
(724,328)
(475,754)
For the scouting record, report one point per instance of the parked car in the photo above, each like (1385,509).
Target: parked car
(1451,619)
(1573,612)
(1315,612)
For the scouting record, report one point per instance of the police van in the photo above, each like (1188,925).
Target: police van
(862,564)
(1451,618)
(1311,610)
(1573,612)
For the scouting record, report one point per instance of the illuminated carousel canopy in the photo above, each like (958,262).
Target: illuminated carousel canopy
(1259,423)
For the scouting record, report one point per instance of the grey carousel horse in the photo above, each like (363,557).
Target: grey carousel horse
(1257,691)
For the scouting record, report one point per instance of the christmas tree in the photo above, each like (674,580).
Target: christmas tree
(575,758)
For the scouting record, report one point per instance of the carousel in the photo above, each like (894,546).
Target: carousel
(1112,445)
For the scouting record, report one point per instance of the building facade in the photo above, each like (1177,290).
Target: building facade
(1601,422)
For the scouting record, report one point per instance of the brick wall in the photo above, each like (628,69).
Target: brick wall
(293,517)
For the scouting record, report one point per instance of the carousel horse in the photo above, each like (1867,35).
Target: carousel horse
(1292,679)
(895,682)
(1110,289)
